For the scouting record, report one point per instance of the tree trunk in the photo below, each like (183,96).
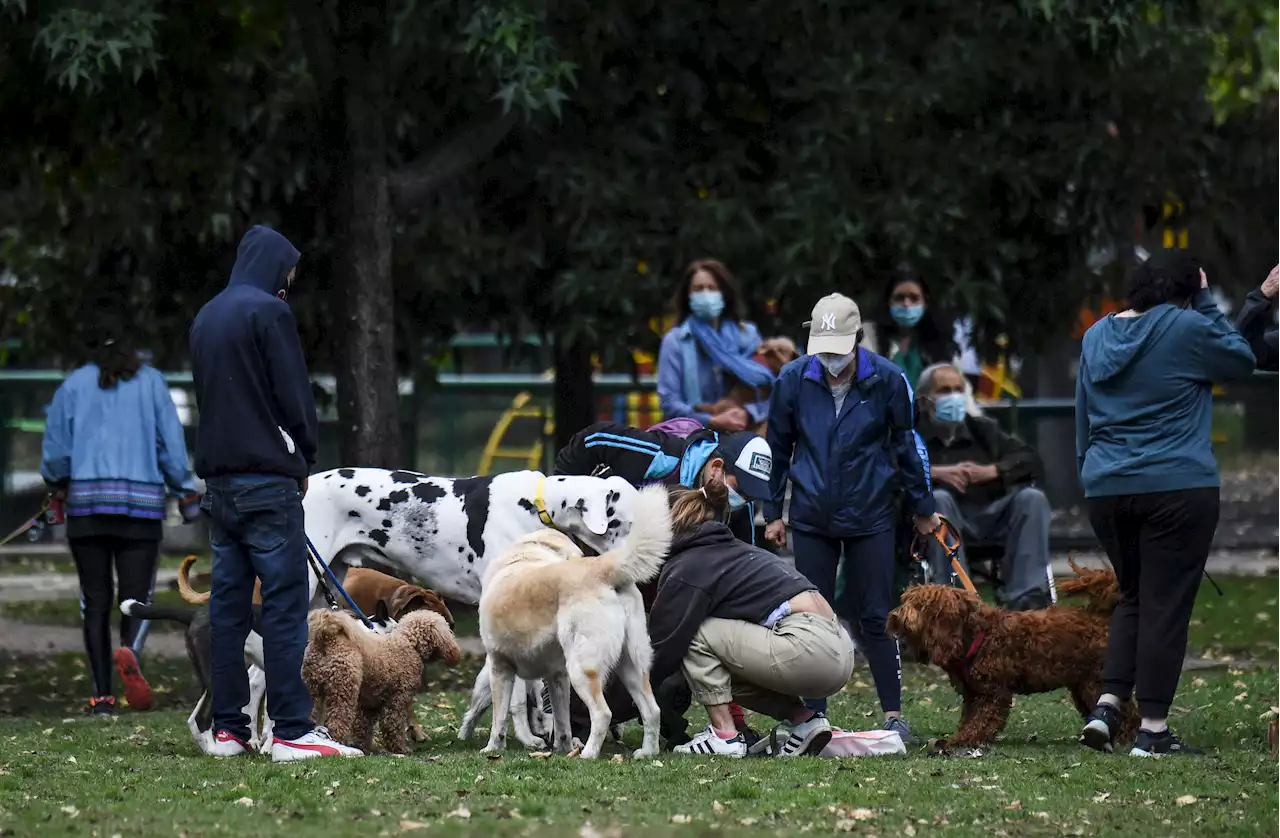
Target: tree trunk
(575,402)
(368,392)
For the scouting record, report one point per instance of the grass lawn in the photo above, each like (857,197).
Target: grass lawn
(140,775)
(61,773)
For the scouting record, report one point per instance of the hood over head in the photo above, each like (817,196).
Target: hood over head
(1114,343)
(264,260)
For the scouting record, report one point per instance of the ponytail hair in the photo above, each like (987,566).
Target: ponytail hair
(116,361)
(692,507)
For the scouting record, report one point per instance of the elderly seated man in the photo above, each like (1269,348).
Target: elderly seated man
(984,483)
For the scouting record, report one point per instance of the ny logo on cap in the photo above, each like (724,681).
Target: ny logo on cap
(761,465)
(829,322)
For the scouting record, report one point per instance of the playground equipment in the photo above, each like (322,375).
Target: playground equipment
(530,457)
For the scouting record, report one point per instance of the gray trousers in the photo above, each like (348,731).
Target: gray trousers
(1020,519)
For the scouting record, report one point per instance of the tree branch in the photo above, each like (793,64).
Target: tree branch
(450,158)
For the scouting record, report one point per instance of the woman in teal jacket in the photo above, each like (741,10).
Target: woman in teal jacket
(113,445)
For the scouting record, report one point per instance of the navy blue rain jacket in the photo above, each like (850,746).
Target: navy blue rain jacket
(257,413)
(846,471)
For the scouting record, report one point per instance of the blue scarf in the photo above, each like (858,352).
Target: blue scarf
(724,349)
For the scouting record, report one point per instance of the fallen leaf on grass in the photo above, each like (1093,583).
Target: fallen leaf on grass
(1198,682)
(245,801)
(682,819)
(70,811)
(909,831)
(1015,806)
(409,826)
(1041,815)
(1240,697)
(540,755)
(462,813)
(616,760)
(494,757)
(1186,800)
(747,822)
(717,807)
(1102,797)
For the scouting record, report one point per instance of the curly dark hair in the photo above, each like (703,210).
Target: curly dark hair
(1167,276)
(727,284)
(929,334)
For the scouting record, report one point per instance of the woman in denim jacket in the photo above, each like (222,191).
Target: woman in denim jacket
(113,445)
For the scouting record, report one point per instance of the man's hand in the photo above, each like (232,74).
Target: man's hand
(304,486)
(955,478)
(1204,280)
(1271,284)
(978,474)
(928,524)
(732,420)
(775,532)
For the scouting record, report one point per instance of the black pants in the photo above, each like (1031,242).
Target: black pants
(134,561)
(1158,544)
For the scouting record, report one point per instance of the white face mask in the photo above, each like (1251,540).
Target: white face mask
(836,364)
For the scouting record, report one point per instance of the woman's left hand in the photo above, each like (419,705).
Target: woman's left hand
(928,524)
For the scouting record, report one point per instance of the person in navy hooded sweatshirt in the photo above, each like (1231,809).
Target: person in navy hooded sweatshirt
(255,446)
(842,428)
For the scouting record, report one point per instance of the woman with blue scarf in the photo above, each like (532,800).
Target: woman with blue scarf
(711,347)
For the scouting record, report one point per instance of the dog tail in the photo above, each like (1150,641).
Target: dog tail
(176,613)
(189,593)
(646,547)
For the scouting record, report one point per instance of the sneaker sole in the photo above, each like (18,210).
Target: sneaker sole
(137,692)
(1098,737)
(293,755)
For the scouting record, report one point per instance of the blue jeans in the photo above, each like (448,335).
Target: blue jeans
(865,601)
(255,527)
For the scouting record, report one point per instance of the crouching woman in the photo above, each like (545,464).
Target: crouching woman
(744,627)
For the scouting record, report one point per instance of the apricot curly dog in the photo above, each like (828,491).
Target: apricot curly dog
(992,655)
(361,680)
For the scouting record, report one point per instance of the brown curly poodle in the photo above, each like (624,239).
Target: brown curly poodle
(1099,585)
(992,655)
(360,680)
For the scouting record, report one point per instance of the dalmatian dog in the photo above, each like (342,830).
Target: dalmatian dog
(444,531)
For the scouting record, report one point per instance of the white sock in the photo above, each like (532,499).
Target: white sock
(1109,698)
(1155,725)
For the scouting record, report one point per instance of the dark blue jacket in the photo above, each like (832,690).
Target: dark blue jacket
(846,471)
(257,414)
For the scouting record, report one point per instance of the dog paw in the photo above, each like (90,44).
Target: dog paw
(644,753)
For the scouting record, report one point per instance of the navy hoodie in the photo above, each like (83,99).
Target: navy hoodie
(1144,398)
(257,414)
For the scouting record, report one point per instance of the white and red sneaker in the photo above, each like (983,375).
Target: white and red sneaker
(317,743)
(229,745)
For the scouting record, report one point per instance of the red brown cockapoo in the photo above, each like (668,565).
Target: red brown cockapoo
(992,655)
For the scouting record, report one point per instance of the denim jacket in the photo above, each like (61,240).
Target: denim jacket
(116,451)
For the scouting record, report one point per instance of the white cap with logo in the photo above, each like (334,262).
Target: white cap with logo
(834,327)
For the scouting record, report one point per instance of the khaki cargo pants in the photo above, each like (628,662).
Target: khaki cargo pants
(768,670)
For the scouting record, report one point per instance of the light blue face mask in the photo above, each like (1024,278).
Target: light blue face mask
(736,501)
(706,305)
(906,315)
(950,408)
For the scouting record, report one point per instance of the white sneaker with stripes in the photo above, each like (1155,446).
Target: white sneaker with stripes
(806,738)
(709,743)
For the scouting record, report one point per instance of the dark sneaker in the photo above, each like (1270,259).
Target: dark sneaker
(104,706)
(1100,731)
(748,735)
(1031,601)
(1162,744)
(897,725)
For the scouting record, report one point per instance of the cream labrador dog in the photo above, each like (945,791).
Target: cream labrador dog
(548,612)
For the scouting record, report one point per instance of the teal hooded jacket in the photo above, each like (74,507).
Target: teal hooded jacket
(1144,398)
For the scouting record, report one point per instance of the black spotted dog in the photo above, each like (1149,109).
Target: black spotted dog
(444,531)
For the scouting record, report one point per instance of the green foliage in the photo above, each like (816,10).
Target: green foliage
(513,44)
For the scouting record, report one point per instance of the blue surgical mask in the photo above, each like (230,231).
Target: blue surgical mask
(907,316)
(736,501)
(950,408)
(706,305)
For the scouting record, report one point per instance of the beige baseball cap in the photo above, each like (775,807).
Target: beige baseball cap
(834,327)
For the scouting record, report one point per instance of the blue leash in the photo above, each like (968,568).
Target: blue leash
(313,556)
